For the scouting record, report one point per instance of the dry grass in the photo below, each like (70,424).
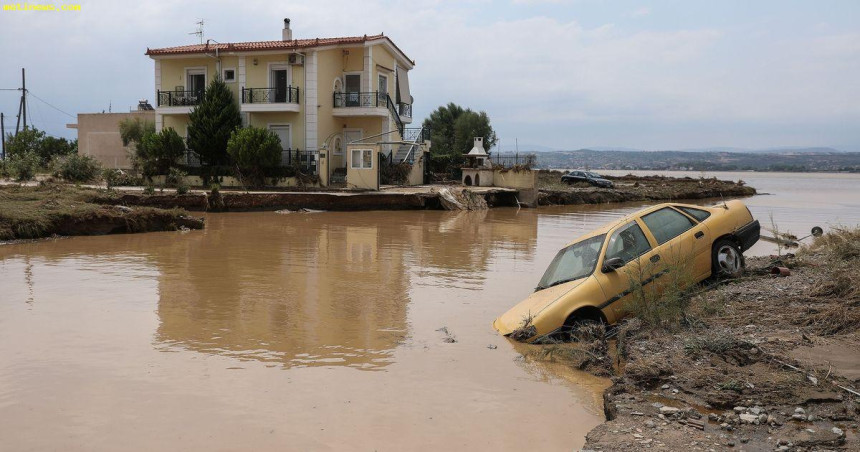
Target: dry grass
(41,211)
(840,243)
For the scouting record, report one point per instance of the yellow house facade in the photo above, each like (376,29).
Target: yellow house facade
(315,94)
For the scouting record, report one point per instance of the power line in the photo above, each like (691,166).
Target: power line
(46,103)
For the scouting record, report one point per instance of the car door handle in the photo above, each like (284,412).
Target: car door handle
(700,234)
(655,258)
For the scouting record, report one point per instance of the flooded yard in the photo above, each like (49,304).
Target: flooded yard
(303,331)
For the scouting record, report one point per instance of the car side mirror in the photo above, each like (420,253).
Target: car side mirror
(610,265)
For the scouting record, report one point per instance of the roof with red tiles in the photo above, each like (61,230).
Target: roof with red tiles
(294,44)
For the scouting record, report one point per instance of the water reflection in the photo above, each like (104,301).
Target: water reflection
(318,289)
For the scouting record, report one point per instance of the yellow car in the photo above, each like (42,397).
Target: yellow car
(594,277)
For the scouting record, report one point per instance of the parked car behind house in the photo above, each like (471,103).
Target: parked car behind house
(588,177)
(594,278)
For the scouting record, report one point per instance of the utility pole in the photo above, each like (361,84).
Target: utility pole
(22,106)
(3,135)
(24,96)
(18,124)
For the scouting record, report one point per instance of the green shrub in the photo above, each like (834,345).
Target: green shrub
(149,190)
(158,152)
(254,150)
(4,169)
(23,167)
(76,168)
(119,178)
(176,178)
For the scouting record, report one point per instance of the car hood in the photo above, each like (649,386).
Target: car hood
(532,306)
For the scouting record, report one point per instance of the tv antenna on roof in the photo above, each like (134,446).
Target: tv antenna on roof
(199,31)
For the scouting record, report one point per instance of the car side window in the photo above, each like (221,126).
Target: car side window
(628,243)
(666,224)
(698,214)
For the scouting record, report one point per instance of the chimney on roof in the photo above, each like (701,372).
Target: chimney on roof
(287,33)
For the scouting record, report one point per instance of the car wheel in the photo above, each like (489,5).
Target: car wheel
(727,259)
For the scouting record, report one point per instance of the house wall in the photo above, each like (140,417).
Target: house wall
(331,65)
(383,63)
(258,76)
(178,122)
(363,178)
(173,71)
(514,179)
(99,138)
(295,120)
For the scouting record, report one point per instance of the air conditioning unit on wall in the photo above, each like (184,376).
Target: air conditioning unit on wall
(297,59)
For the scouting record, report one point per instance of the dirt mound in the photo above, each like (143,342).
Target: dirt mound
(756,363)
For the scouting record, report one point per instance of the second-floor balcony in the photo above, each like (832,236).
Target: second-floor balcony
(271,99)
(372,103)
(179,98)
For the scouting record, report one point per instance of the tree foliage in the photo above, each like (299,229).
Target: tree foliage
(254,150)
(132,130)
(36,141)
(77,168)
(452,129)
(158,152)
(212,122)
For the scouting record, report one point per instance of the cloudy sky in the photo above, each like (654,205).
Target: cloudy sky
(563,74)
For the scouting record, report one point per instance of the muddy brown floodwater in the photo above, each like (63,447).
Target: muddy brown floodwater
(313,331)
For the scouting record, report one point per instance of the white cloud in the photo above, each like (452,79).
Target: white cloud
(536,76)
(640,12)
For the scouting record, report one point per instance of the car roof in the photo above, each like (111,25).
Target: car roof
(608,227)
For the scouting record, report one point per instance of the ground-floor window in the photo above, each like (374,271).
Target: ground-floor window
(362,159)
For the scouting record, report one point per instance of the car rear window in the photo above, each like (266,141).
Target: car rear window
(666,224)
(698,214)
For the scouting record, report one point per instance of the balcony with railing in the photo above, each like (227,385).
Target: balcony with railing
(178,98)
(372,103)
(271,99)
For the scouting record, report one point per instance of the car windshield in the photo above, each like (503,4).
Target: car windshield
(594,175)
(572,263)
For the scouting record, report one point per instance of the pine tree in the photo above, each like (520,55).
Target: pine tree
(211,123)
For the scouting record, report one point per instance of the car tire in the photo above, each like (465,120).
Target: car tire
(727,261)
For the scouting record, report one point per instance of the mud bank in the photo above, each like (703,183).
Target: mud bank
(758,363)
(636,188)
(227,201)
(37,212)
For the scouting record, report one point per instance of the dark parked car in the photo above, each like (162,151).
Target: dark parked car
(588,177)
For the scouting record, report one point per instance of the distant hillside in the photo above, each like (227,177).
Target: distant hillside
(797,160)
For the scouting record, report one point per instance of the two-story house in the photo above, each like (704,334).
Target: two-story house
(313,93)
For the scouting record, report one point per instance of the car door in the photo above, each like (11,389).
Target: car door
(623,286)
(676,236)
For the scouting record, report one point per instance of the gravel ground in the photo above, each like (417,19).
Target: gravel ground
(761,362)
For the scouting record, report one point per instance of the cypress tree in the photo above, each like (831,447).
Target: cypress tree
(211,123)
